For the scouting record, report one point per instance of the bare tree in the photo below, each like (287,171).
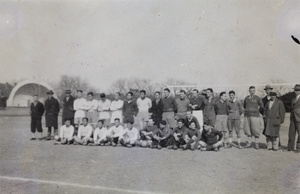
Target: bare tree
(277,87)
(72,83)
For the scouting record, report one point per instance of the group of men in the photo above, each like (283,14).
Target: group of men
(202,122)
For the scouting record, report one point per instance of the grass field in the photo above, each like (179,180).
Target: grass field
(42,167)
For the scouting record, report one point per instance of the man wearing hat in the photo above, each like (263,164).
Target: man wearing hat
(68,110)
(52,110)
(103,108)
(274,114)
(267,98)
(295,120)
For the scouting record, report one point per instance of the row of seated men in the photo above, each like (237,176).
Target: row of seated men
(183,137)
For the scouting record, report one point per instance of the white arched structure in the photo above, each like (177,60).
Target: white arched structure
(21,95)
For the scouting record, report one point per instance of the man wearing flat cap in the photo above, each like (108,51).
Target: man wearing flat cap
(295,121)
(68,110)
(274,114)
(51,110)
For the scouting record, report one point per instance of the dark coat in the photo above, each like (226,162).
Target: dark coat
(37,111)
(157,111)
(52,110)
(68,111)
(295,113)
(274,117)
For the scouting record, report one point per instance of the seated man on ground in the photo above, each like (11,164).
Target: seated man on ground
(191,137)
(178,134)
(100,134)
(66,133)
(84,134)
(211,139)
(116,132)
(146,134)
(162,136)
(130,136)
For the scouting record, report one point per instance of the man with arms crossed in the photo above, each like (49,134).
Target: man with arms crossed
(116,109)
(91,109)
(79,107)
(103,108)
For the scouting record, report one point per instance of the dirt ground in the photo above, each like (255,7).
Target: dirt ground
(42,167)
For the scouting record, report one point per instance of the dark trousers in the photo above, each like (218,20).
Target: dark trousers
(178,143)
(36,125)
(163,143)
(49,131)
(293,129)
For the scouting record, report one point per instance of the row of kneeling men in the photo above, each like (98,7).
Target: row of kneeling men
(151,136)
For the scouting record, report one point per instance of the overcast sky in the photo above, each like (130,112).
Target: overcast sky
(206,42)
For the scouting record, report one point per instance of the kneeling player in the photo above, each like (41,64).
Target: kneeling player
(211,139)
(191,137)
(146,134)
(162,136)
(66,133)
(178,134)
(130,136)
(85,132)
(116,132)
(101,134)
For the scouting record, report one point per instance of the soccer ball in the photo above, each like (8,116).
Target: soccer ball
(144,144)
(56,137)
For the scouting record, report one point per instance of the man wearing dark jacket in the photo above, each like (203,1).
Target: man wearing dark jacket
(130,109)
(52,110)
(36,113)
(68,104)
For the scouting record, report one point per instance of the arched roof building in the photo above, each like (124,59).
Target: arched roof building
(21,95)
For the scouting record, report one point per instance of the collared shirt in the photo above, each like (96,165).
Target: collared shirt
(66,132)
(91,105)
(144,104)
(104,106)
(79,107)
(297,97)
(199,102)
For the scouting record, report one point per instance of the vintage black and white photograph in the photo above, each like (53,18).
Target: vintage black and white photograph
(149,96)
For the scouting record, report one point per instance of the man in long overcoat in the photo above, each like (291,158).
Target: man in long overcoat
(52,110)
(68,111)
(295,121)
(274,114)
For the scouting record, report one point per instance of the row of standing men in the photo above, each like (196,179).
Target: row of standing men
(265,114)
